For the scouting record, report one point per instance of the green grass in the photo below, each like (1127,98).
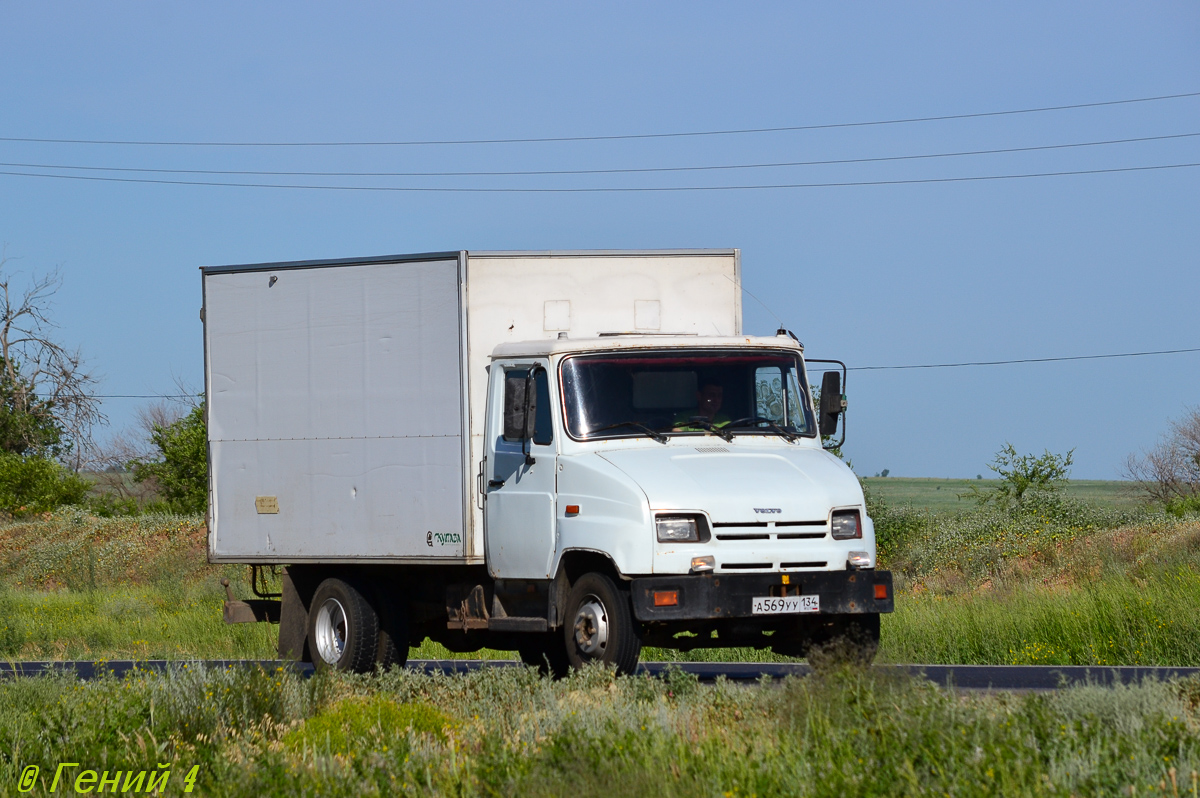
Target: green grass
(1113,621)
(160,622)
(942,495)
(842,732)
(1055,582)
(1060,581)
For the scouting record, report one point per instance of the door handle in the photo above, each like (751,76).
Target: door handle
(495,483)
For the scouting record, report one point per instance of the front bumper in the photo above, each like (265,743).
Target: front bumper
(710,596)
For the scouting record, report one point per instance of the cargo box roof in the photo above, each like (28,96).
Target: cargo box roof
(619,342)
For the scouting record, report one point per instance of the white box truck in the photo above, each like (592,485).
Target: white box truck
(569,454)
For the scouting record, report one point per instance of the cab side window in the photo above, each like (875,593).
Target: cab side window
(514,402)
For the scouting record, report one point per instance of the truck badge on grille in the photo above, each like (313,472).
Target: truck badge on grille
(771,510)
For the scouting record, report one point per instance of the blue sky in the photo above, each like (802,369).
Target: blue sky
(874,275)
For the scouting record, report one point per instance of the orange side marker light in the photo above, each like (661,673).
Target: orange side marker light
(880,591)
(572,509)
(666,598)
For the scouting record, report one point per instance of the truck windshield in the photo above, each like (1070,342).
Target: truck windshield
(727,393)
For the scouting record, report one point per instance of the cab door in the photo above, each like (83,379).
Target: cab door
(520,472)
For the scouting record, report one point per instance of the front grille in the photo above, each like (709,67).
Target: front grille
(771,530)
(802,565)
(742,566)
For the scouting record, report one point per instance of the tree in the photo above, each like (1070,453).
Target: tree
(47,408)
(1170,472)
(180,468)
(1022,475)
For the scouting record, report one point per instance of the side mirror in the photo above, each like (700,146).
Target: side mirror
(832,403)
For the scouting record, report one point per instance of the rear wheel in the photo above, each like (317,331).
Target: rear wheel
(600,626)
(391,647)
(343,629)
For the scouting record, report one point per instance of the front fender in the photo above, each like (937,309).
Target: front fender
(613,516)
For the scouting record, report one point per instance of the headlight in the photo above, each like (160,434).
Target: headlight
(846,525)
(679,529)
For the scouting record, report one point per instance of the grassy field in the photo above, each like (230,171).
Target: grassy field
(1054,581)
(841,732)
(943,495)
(1059,583)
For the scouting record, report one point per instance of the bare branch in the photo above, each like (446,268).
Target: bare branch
(42,379)
(1171,470)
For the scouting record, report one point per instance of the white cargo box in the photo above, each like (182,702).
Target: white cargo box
(345,397)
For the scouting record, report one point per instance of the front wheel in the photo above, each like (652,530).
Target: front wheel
(545,652)
(600,626)
(343,629)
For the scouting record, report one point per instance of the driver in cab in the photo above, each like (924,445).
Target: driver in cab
(707,413)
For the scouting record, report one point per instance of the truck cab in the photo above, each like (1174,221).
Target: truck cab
(685,479)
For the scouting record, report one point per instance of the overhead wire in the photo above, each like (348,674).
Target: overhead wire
(599,189)
(637,170)
(849,368)
(1022,360)
(613,137)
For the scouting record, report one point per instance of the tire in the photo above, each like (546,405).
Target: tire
(391,649)
(854,640)
(343,628)
(600,626)
(545,652)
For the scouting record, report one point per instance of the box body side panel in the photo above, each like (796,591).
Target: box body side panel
(337,391)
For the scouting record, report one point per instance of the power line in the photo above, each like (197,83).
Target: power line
(627,136)
(550,172)
(1023,360)
(851,368)
(600,189)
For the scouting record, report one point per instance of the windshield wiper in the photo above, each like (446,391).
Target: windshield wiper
(704,423)
(754,420)
(653,433)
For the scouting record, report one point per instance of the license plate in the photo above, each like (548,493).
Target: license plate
(772,605)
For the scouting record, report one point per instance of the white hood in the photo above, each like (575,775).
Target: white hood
(802,484)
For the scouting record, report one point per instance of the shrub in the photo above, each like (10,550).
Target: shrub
(895,527)
(34,484)
(181,472)
(354,722)
(1183,505)
(1023,474)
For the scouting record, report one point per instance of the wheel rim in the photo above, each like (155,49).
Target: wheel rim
(591,627)
(331,631)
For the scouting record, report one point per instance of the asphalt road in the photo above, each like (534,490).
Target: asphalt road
(972,677)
